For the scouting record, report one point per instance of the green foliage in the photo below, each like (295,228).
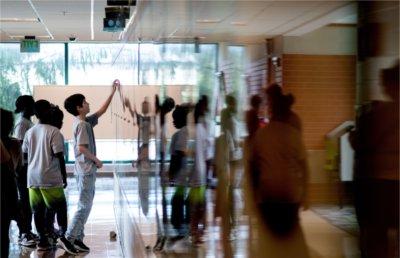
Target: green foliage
(19,71)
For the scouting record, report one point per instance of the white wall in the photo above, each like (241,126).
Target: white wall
(329,40)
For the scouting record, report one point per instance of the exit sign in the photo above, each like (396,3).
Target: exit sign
(29,46)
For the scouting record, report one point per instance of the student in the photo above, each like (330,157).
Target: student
(144,122)
(86,162)
(198,179)
(44,146)
(10,159)
(178,167)
(56,119)
(24,105)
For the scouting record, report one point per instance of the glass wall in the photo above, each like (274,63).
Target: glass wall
(99,64)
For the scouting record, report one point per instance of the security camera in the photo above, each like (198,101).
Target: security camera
(72,38)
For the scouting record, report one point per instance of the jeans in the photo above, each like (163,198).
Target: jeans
(86,189)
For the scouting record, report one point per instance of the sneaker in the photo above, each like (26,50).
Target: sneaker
(27,240)
(44,245)
(53,237)
(67,246)
(80,246)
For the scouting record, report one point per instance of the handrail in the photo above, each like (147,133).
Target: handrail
(340,130)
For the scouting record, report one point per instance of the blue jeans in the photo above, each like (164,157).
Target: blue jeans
(86,189)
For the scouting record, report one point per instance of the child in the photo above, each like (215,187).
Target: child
(44,146)
(24,105)
(86,162)
(10,159)
(144,124)
(56,120)
(178,167)
(198,178)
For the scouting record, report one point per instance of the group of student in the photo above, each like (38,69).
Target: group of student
(33,172)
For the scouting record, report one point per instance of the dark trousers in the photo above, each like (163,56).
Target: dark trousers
(280,218)
(377,210)
(24,219)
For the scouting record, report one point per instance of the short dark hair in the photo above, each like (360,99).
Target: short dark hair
(24,102)
(72,103)
(56,117)
(7,123)
(179,116)
(255,101)
(280,103)
(42,111)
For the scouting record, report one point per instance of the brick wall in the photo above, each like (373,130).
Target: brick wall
(324,88)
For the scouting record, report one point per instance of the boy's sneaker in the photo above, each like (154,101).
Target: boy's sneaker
(79,245)
(44,245)
(67,246)
(27,240)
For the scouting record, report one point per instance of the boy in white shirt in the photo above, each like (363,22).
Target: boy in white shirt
(44,146)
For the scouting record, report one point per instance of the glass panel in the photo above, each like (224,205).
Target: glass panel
(100,64)
(20,71)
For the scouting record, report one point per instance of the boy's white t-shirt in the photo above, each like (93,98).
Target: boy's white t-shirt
(198,175)
(22,126)
(42,142)
(179,143)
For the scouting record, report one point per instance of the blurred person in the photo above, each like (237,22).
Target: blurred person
(178,168)
(197,179)
(10,159)
(162,110)
(376,176)
(279,176)
(144,122)
(227,158)
(24,105)
(279,163)
(252,115)
(86,161)
(44,146)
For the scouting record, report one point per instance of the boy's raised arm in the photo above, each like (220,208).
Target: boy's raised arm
(103,109)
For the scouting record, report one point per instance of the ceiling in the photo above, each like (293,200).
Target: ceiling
(211,21)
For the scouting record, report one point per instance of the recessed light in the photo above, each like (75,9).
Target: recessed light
(23,36)
(19,20)
(208,21)
(238,23)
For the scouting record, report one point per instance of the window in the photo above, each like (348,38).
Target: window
(100,64)
(20,71)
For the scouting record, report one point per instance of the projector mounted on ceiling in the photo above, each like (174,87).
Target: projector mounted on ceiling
(121,2)
(116,14)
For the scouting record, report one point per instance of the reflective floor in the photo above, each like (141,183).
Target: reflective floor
(319,238)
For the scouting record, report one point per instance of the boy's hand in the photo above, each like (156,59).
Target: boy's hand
(116,85)
(98,163)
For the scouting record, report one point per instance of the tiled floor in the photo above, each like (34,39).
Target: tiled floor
(316,237)
(97,230)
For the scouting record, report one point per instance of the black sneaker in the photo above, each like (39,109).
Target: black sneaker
(79,245)
(67,246)
(27,240)
(44,245)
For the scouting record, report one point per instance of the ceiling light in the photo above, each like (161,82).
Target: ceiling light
(23,36)
(182,37)
(19,20)
(239,23)
(208,21)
